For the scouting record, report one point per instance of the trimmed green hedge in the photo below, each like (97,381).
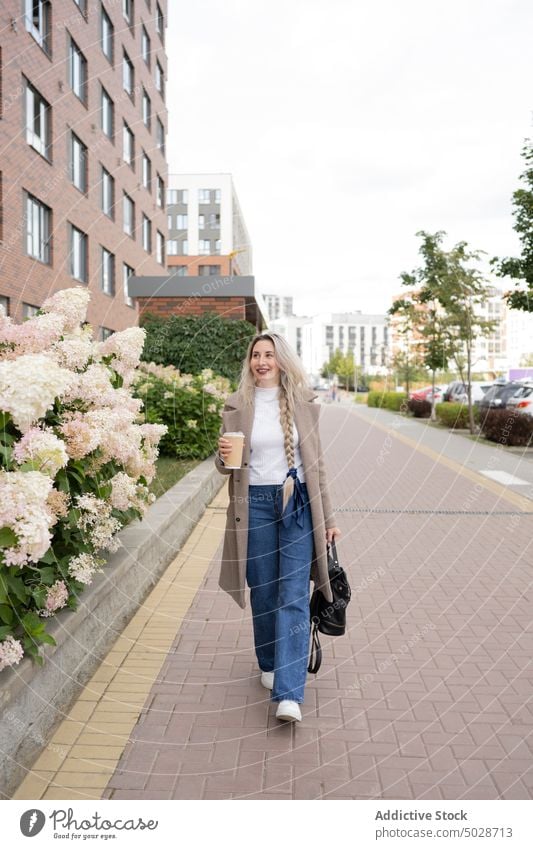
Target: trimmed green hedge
(193,343)
(388,400)
(454,415)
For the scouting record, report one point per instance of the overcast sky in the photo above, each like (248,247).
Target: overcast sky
(348,125)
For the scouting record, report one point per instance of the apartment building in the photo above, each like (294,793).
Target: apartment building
(316,338)
(207,234)
(83,170)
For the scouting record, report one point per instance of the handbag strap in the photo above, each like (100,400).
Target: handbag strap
(315,658)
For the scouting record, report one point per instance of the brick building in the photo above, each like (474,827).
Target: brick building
(83,170)
(230,296)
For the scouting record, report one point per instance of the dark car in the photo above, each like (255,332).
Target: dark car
(497,396)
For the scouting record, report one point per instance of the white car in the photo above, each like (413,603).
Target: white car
(477,389)
(522,400)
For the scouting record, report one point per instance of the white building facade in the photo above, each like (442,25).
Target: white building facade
(315,339)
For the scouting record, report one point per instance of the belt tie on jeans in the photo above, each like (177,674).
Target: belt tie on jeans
(294,509)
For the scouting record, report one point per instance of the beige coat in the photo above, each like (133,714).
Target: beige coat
(235,417)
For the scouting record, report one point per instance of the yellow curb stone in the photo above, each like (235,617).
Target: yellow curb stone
(67,732)
(34,785)
(66,780)
(89,765)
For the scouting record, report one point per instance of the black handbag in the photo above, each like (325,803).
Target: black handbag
(328,617)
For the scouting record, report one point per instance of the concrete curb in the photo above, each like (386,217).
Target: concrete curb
(33,699)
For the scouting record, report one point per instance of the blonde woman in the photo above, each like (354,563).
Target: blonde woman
(279,518)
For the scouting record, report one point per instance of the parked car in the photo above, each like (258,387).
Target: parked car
(452,387)
(497,396)
(522,400)
(426,393)
(478,389)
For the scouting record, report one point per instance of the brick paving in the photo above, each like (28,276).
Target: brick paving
(427,697)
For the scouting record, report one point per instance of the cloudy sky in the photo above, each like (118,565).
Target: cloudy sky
(348,125)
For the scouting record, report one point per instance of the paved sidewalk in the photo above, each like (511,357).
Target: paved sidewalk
(428,695)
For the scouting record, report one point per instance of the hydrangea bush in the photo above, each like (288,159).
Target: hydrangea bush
(76,459)
(189,405)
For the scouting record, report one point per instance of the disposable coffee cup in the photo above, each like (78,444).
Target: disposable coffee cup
(234,459)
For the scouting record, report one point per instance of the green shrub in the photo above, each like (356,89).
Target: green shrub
(189,405)
(388,400)
(454,415)
(192,343)
(508,427)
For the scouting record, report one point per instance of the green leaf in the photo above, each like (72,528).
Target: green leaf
(49,558)
(32,624)
(8,538)
(5,631)
(47,638)
(48,575)
(6,614)
(16,587)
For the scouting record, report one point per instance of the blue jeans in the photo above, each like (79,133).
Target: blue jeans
(278,574)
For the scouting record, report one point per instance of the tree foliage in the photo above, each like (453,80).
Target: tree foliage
(520,268)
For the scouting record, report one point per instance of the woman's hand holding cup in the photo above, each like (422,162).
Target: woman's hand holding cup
(224,447)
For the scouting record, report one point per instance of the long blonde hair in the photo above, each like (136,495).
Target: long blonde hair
(293,383)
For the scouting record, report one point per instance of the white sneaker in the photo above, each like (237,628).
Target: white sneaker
(267,680)
(289,710)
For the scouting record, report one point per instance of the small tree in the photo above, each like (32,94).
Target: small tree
(342,365)
(406,362)
(520,269)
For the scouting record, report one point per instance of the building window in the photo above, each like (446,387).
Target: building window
(82,6)
(108,193)
(108,115)
(180,270)
(38,22)
(170,220)
(160,197)
(214,221)
(208,270)
(78,254)
(172,197)
(146,234)
(217,246)
(177,247)
(128,12)
(146,172)
(78,163)
(107,276)
(160,248)
(147,110)
(38,229)
(182,222)
(38,115)
(159,22)
(146,48)
(29,310)
(128,146)
(201,222)
(183,196)
(204,247)
(128,215)
(160,136)
(104,333)
(107,35)
(4,305)
(128,75)
(77,71)
(160,79)
(217,195)
(127,272)
(204,195)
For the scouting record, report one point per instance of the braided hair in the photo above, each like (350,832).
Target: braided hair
(293,382)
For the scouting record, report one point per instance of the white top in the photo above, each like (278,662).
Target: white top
(268,462)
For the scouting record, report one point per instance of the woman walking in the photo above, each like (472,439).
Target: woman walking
(279,518)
